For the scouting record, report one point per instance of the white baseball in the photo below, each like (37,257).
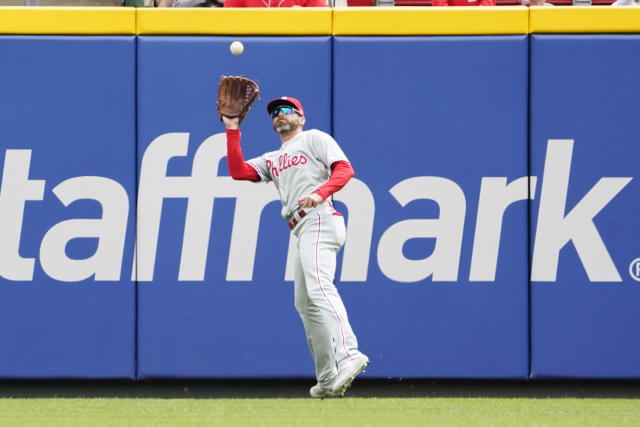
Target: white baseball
(236,48)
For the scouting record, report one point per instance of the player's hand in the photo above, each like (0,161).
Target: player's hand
(309,201)
(231,123)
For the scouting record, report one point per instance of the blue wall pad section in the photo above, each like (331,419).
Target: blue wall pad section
(212,252)
(436,128)
(584,150)
(67,302)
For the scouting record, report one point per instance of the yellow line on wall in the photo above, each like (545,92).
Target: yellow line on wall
(430,20)
(241,21)
(356,21)
(593,19)
(67,20)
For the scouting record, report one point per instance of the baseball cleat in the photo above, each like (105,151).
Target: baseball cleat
(319,392)
(347,372)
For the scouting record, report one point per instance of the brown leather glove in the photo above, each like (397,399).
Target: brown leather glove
(235,96)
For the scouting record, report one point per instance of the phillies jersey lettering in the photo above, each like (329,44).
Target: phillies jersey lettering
(299,167)
(285,162)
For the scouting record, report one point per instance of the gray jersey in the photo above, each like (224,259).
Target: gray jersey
(299,167)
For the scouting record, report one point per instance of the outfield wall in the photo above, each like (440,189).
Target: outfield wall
(491,222)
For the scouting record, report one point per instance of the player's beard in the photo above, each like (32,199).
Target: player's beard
(283,127)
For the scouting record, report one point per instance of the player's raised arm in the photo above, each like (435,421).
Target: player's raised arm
(232,123)
(238,168)
(235,97)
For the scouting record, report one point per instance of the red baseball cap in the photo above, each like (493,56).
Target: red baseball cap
(285,100)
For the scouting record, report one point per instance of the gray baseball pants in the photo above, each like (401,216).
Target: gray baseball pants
(319,237)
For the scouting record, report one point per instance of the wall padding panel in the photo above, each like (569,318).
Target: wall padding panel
(437,130)
(585,295)
(67,197)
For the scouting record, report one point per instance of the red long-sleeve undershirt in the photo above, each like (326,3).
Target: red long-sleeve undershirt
(341,171)
(238,168)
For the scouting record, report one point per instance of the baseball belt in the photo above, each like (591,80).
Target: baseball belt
(296,217)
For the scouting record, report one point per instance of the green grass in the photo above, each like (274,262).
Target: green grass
(351,411)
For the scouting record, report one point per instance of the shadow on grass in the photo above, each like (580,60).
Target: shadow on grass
(298,388)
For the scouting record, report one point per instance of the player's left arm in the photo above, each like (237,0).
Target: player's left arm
(327,150)
(341,173)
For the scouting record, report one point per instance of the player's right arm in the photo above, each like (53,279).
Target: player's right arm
(238,168)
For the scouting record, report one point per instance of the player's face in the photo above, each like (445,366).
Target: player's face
(284,123)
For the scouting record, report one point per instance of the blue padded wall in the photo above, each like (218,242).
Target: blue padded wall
(440,117)
(67,302)
(434,274)
(195,320)
(584,148)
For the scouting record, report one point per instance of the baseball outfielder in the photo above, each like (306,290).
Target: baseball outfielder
(300,170)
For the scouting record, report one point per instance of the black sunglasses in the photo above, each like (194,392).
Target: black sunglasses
(285,110)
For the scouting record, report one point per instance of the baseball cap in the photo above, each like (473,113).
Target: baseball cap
(285,100)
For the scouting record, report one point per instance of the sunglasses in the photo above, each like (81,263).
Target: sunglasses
(285,110)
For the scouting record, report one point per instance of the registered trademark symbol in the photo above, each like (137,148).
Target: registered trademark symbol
(634,269)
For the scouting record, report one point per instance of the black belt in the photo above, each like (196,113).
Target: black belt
(296,218)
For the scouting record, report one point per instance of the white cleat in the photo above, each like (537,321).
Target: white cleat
(319,392)
(347,372)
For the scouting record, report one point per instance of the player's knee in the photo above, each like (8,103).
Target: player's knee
(319,294)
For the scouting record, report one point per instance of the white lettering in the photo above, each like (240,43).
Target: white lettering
(106,262)
(200,189)
(153,186)
(495,197)
(444,261)
(555,227)
(555,230)
(16,189)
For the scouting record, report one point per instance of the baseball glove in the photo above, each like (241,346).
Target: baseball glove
(235,96)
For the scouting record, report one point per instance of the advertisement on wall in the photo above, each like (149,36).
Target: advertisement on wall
(487,236)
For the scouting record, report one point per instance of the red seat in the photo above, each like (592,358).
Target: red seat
(498,2)
(361,2)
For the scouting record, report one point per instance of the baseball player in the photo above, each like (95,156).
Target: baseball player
(307,169)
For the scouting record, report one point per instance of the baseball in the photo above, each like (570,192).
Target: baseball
(236,48)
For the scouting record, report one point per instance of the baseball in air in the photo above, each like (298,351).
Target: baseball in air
(236,48)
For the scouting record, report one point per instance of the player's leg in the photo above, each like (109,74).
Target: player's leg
(319,241)
(331,235)
(318,337)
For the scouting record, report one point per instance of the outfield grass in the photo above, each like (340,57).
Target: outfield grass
(351,411)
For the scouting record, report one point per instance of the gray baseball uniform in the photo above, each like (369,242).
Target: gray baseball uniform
(299,167)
